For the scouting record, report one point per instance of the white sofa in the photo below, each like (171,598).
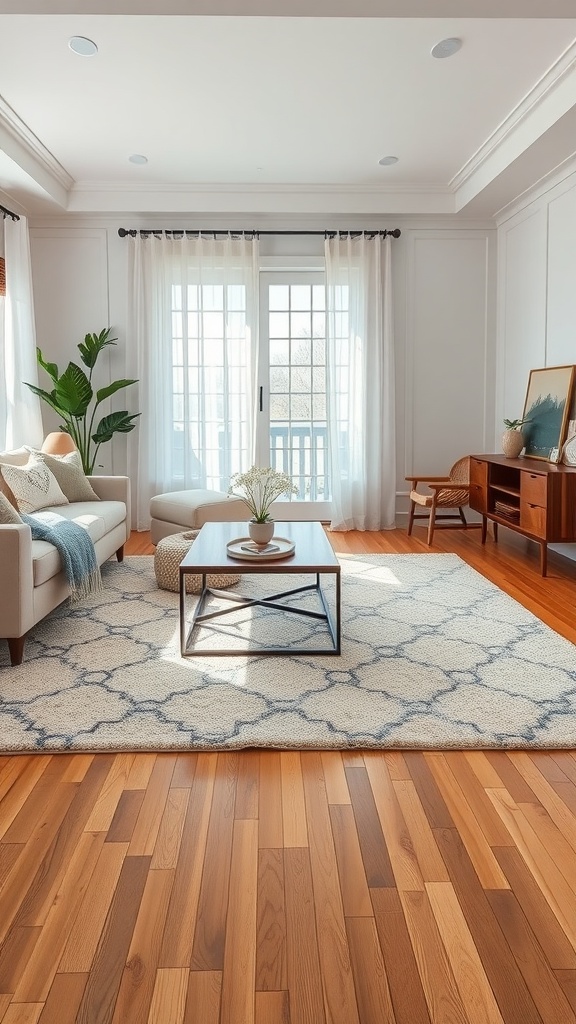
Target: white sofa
(31,579)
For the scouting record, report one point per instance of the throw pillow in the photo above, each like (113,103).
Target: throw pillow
(33,486)
(8,513)
(69,473)
(16,457)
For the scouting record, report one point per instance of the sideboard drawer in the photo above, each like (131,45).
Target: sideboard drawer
(534,489)
(533,519)
(478,497)
(478,472)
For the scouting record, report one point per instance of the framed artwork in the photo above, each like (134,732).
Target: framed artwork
(546,410)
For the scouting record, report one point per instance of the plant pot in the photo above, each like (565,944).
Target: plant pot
(512,443)
(261,533)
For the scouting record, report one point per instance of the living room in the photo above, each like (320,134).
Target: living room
(423,877)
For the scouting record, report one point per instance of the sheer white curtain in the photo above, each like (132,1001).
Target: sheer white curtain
(193,321)
(360,364)
(20,416)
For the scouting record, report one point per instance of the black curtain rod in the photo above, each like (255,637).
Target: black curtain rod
(8,213)
(144,232)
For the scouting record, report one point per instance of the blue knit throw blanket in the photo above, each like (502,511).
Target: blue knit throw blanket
(75,548)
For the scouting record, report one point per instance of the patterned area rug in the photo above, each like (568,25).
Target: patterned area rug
(433,655)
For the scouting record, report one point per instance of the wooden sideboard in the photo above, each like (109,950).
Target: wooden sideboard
(532,497)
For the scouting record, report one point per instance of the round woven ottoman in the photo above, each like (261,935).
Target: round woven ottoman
(169,553)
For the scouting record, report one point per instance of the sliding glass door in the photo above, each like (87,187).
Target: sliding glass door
(211,384)
(291,420)
(212,376)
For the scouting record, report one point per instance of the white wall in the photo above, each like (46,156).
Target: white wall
(522,309)
(444,277)
(79,284)
(536,291)
(449,348)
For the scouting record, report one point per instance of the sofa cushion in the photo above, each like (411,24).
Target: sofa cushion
(69,473)
(98,519)
(33,486)
(16,457)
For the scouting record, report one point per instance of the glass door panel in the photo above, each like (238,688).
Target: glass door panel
(292,430)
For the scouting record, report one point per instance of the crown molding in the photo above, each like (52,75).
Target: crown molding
(302,8)
(15,127)
(252,199)
(550,83)
(280,188)
(261,222)
(542,187)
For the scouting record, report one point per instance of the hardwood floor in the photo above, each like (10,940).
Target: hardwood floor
(287,887)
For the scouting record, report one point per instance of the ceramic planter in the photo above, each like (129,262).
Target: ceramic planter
(261,533)
(512,443)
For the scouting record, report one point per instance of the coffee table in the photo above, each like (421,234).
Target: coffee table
(208,554)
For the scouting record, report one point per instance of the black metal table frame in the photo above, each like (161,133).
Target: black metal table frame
(199,615)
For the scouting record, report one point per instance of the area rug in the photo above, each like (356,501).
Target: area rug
(433,656)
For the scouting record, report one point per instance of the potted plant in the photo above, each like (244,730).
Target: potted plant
(512,438)
(260,487)
(72,395)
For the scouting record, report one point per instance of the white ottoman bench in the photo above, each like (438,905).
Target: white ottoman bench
(189,510)
(169,553)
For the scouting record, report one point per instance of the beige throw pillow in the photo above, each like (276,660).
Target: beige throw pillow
(16,457)
(8,513)
(33,486)
(69,473)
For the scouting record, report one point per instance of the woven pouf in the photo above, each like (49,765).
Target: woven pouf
(169,553)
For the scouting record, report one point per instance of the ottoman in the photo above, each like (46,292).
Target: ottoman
(189,510)
(169,553)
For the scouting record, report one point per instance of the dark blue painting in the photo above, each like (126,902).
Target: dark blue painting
(546,409)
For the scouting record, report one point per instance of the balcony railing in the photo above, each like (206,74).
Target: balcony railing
(302,452)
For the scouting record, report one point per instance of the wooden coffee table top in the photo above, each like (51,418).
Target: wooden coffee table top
(313,551)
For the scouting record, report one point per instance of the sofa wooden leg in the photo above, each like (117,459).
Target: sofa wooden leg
(16,648)
(120,554)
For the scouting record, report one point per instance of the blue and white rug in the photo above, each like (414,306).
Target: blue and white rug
(433,656)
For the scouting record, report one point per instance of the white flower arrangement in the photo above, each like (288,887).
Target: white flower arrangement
(260,487)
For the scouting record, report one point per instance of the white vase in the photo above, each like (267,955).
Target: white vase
(261,533)
(512,443)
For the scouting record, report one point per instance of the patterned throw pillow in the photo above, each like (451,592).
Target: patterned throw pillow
(8,513)
(69,473)
(33,486)
(16,457)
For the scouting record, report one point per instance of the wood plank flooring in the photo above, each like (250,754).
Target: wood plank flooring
(288,887)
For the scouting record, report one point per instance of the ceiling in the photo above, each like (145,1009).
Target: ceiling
(250,113)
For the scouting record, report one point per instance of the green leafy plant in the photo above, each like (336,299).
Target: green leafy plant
(72,395)
(514,424)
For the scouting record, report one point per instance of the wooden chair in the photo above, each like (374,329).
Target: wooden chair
(450,491)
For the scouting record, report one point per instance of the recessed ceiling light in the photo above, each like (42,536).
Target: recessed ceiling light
(83,46)
(386,161)
(446,47)
(137,158)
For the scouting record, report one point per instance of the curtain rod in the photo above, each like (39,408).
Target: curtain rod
(144,232)
(8,213)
